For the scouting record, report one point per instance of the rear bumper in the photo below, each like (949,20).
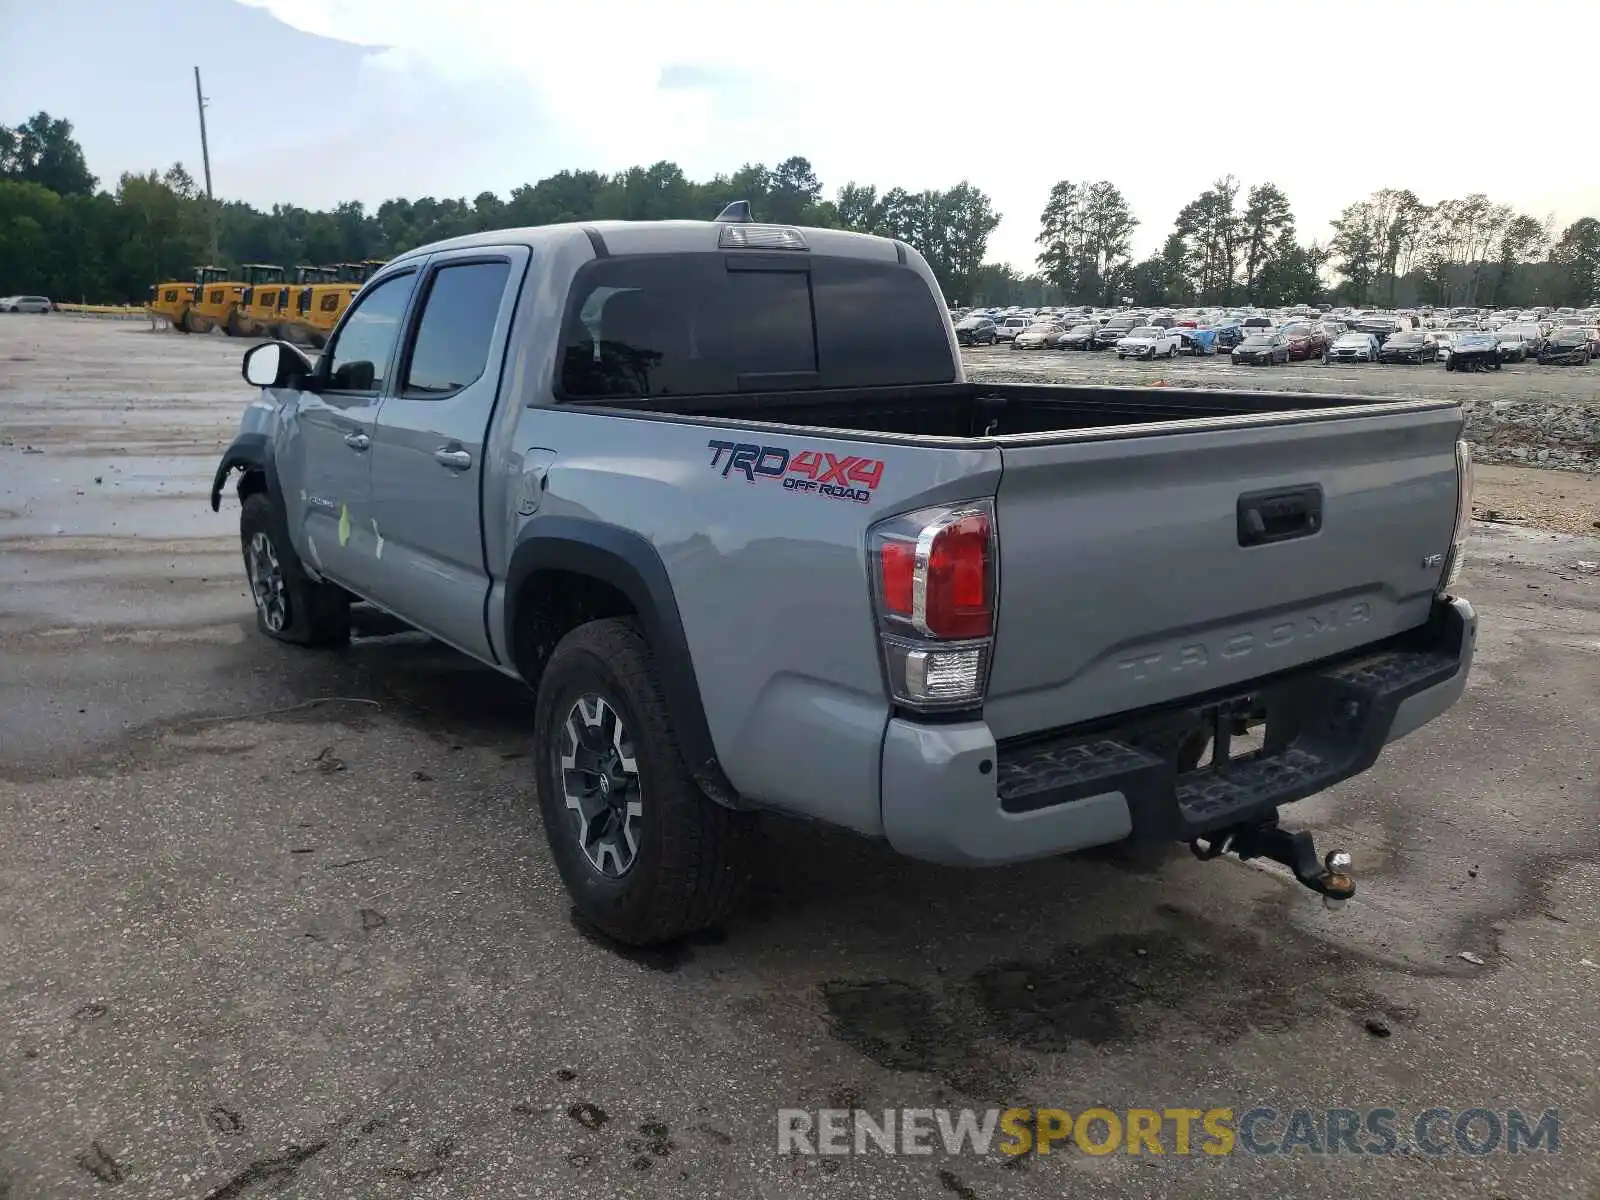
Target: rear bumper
(952,795)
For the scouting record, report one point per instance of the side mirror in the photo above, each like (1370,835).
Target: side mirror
(275,365)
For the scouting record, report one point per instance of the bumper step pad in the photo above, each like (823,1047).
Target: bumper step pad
(1321,727)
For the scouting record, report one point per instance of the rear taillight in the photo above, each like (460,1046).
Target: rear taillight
(935,579)
(1458,539)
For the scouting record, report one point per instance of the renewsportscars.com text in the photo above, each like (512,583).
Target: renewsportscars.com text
(1379,1132)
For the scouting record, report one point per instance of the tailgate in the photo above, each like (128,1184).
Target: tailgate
(1145,565)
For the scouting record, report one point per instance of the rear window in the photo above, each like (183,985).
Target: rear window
(705,324)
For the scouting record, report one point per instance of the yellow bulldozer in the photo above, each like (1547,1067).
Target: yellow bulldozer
(169,301)
(267,309)
(189,305)
(212,301)
(264,301)
(257,309)
(318,307)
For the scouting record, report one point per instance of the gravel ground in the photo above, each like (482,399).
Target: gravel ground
(283,923)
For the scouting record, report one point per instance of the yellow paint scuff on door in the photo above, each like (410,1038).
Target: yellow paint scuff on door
(344,524)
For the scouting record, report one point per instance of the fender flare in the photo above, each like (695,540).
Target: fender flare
(631,564)
(248,451)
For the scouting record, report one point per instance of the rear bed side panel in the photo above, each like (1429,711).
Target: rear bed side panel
(1123,583)
(770,582)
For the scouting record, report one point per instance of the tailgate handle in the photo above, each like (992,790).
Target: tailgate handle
(1279,515)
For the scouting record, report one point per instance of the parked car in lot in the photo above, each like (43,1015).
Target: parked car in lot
(695,457)
(1511,345)
(1196,342)
(1009,328)
(1382,328)
(26,304)
(1353,346)
(1531,333)
(975,331)
(1228,336)
(1080,337)
(1567,345)
(1041,335)
(1305,341)
(1148,341)
(1261,350)
(1473,351)
(1441,340)
(1407,346)
(1114,330)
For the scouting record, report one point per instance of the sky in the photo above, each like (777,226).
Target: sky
(313,102)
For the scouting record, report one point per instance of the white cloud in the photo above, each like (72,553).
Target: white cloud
(1160,97)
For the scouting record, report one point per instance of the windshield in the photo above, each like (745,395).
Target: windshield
(1120,323)
(1256,341)
(1405,339)
(1148,331)
(1083,329)
(1353,339)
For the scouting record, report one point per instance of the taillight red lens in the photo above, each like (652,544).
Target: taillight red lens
(897,564)
(959,600)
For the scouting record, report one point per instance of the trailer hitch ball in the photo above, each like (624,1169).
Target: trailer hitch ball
(1337,886)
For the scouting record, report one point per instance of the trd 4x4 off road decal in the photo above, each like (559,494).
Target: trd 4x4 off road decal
(842,476)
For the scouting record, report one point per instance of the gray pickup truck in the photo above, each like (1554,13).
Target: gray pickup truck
(721,494)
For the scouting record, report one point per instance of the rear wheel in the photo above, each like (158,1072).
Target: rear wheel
(290,605)
(644,853)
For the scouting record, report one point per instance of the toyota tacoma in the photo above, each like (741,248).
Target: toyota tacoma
(720,494)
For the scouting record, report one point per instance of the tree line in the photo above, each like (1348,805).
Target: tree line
(64,236)
(1234,246)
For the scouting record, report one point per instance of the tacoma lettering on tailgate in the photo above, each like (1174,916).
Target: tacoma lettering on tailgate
(842,476)
(1190,656)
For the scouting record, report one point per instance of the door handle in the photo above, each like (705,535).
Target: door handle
(1279,516)
(357,441)
(455,459)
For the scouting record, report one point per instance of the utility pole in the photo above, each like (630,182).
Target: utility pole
(205,156)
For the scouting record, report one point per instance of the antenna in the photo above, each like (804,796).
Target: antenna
(205,156)
(738,211)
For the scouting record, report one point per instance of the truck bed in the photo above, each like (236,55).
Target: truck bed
(1157,543)
(986,410)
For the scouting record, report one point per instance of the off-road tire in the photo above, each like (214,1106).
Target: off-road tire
(318,614)
(692,855)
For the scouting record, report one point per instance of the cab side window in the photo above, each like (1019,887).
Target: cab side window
(452,343)
(359,357)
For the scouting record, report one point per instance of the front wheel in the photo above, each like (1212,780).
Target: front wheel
(645,854)
(290,605)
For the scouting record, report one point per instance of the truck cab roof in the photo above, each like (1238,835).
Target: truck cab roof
(670,237)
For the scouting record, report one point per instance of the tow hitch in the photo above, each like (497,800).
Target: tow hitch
(1329,878)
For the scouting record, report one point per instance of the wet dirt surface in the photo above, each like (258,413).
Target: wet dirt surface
(276,922)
